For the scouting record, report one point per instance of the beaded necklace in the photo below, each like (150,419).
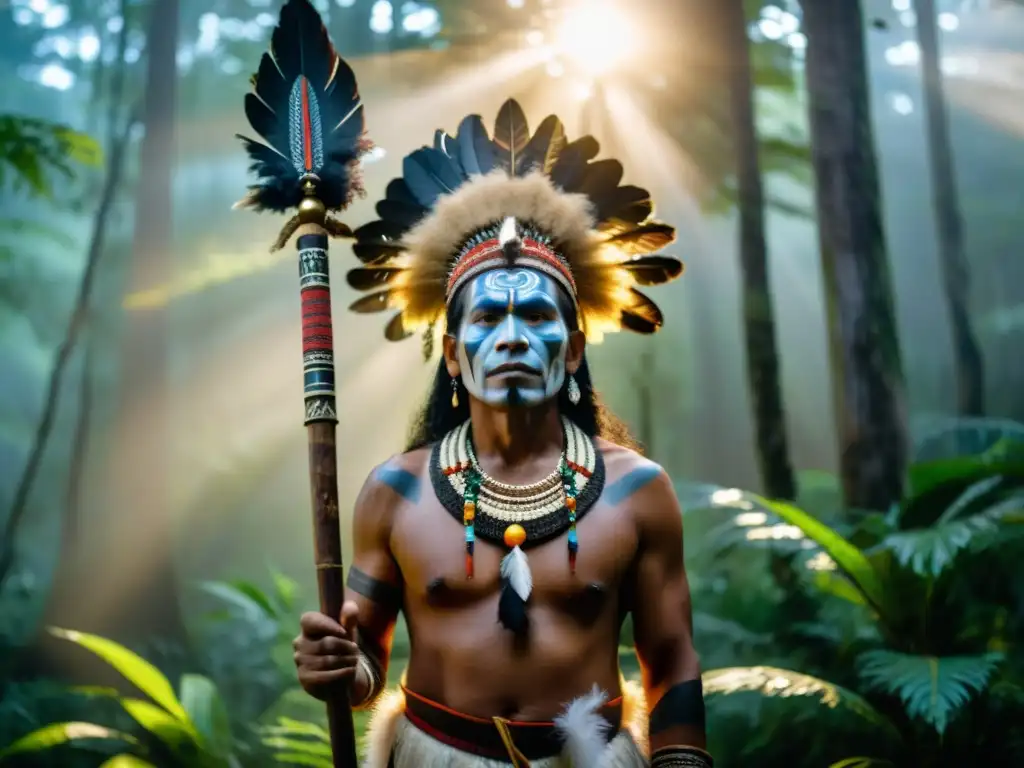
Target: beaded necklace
(518,516)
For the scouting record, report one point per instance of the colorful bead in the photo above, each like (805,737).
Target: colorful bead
(570,503)
(514,535)
(469,512)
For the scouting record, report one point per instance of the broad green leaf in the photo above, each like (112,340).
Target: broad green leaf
(929,551)
(230,594)
(849,558)
(286,726)
(860,762)
(55,734)
(320,748)
(837,585)
(774,682)
(127,761)
(974,492)
(931,688)
(206,710)
(178,734)
(285,590)
(135,669)
(257,595)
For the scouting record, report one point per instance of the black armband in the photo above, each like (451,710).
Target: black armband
(681,757)
(682,704)
(375,590)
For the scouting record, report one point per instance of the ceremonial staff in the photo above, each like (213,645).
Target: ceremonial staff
(306,106)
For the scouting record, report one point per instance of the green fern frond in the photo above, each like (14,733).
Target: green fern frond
(931,688)
(929,551)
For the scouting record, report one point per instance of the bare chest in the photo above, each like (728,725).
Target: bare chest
(429,546)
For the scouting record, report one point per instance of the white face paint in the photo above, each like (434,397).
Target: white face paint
(513,338)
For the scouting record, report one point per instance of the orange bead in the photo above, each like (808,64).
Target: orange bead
(514,535)
(570,503)
(469,511)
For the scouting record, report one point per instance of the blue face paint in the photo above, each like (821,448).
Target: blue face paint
(513,338)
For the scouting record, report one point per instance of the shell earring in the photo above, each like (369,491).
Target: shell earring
(455,392)
(574,390)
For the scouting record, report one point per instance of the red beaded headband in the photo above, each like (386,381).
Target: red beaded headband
(490,254)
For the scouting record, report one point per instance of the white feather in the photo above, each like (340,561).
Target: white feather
(516,568)
(508,231)
(584,730)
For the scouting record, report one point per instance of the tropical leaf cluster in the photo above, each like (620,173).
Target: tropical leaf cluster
(912,624)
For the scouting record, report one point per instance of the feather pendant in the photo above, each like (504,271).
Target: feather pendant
(516,586)
(641,315)
(381,231)
(428,341)
(305,104)
(543,148)
(511,135)
(644,239)
(369,278)
(399,212)
(652,270)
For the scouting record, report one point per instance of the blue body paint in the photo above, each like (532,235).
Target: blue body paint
(631,482)
(402,482)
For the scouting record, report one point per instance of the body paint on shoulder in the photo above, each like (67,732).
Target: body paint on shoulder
(631,482)
(401,481)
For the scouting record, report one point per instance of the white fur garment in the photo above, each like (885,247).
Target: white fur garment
(583,729)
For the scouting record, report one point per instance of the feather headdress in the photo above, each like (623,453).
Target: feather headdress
(306,106)
(473,201)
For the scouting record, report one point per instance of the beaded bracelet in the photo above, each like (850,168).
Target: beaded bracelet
(681,757)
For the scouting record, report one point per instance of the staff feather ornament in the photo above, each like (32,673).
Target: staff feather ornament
(306,106)
(456,194)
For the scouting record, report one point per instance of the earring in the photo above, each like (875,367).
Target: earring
(455,392)
(574,390)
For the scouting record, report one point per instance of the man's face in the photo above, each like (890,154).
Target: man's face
(513,338)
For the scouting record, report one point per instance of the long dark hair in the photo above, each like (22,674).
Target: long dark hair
(437,417)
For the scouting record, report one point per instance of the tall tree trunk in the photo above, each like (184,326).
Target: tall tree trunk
(758,310)
(131,591)
(970,372)
(869,389)
(65,587)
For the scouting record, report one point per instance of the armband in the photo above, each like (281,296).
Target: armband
(374,672)
(381,592)
(682,704)
(681,757)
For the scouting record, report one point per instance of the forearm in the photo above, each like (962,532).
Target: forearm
(677,733)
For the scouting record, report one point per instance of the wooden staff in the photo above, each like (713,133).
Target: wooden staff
(306,106)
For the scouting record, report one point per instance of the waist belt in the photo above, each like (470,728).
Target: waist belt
(513,741)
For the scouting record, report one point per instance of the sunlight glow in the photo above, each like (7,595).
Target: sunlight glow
(596,38)
(949,21)
(55,16)
(382,17)
(57,77)
(752,519)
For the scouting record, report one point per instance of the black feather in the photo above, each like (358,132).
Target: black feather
(429,174)
(465,146)
(398,190)
(279,108)
(374,252)
(570,168)
(402,214)
(370,278)
(543,148)
(395,330)
(646,238)
(511,135)
(653,270)
(512,610)
(374,302)
(378,231)
(641,315)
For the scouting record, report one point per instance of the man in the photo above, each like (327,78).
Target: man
(519,528)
